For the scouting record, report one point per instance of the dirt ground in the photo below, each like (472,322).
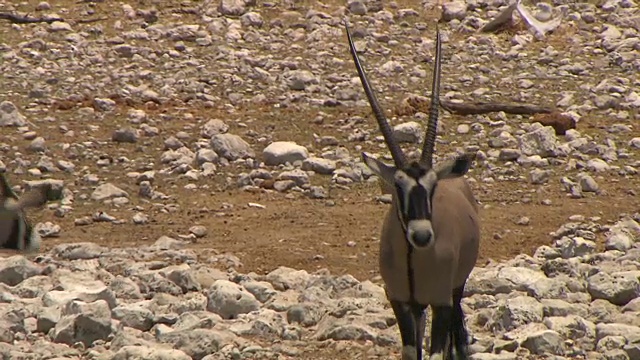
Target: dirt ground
(340,233)
(293,231)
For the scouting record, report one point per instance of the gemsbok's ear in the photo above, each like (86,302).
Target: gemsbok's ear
(382,170)
(5,189)
(456,167)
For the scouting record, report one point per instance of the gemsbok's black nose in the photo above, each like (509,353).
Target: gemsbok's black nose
(422,238)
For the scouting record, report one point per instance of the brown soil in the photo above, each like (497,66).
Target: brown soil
(293,230)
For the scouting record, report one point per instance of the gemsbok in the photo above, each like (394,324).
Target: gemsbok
(16,232)
(430,235)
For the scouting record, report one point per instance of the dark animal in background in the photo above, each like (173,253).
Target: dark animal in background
(559,122)
(16,232)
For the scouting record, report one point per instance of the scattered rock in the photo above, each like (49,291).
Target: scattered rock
(214,127)
(281,152)
(125,135)
(410,132)
(544,343)
(16,269)
(319,165)
(108,191)
(541,140)
(233,7)
(231,147)
(454,10)
(230,300)
(10,116)
(618,289)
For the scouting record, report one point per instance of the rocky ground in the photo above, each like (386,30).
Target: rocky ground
(212,203)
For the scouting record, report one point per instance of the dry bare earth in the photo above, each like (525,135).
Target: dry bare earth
(108,100)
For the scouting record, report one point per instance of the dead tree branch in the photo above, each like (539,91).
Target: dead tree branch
(89,21)
(483,108)
(25,19)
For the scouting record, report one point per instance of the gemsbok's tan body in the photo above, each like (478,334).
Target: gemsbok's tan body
(452,255)
(430,235)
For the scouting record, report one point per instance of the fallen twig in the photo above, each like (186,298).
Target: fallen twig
(500,20)
(187,10)
(25,19)
(89,21)
(483,108)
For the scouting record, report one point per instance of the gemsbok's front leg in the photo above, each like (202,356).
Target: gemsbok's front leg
(459,335)
(441,332)
(411,343)
(420,318)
